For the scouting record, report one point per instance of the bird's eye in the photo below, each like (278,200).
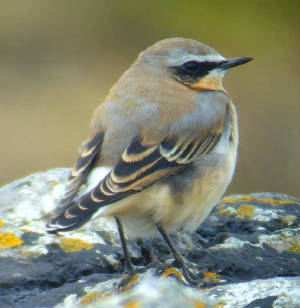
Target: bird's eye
(192,66)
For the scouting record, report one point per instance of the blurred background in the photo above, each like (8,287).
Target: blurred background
(59,58)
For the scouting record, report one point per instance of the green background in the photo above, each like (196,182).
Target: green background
(58,60)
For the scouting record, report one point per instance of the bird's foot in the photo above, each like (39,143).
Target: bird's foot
(130,277)
(186,272)
(190,272)
(127,281)
(179,271)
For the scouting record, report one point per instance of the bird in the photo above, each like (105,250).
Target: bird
(166,139)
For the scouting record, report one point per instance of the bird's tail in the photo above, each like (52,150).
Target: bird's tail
(68,219)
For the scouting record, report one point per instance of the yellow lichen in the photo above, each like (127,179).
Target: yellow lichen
(199,304)
(276,201)
(30,252)
(132,304)
(1,223)
(220,304)
(74,244)
(295,247)
(251,198)
(172,271)
(288,219)
(246,211)
(240,199)
(228,200)
(225,212)
(132,281)
(89,298)
(246,198)
(210,275)
(8,239)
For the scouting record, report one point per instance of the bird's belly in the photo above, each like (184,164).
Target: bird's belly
(183,201)
(204,194)
(197,198)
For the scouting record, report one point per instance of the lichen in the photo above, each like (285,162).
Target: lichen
(295,247)
(131,304)
(252,198)
(199,304)
(74,244)
(132,281)
(220,304)
(89,298)
(276,201)
(227,212)
(246,211)
(238,199)
(288,219)
(211,276)
(172,271)
(1,223)
(9,239)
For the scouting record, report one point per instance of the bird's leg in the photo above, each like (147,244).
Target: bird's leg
(128,264)
(190,277)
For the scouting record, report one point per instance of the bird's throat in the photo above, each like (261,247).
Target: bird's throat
(212,83)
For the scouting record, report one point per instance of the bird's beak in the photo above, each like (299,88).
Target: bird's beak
(231,62)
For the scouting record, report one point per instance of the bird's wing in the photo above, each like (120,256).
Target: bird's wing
(140,166)
(78,175)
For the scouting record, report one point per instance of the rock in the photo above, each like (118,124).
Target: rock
(247,251)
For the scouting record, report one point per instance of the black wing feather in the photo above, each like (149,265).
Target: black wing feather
(139,167)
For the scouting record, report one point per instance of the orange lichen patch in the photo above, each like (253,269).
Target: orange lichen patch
(246,211)
(210,275)
(199,304)
(251,198)
(1,223)
(30,253)
(74,244)
(131,282)
(240,199)
(228,200)
(8,239)
(213,277)
(276,201)
(131,304)
(172,271)
(288,219)
(220,304)
(295,247)
(225,212)
(89,298)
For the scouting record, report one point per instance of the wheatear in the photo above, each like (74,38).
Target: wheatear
(167,139)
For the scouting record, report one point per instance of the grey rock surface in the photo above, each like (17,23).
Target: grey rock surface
(247,251)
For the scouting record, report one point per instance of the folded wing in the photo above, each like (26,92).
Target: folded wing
(140,166)
(80,171)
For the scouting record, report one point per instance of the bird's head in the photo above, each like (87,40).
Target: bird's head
(192,63)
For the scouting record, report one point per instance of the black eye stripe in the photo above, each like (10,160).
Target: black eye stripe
(192,70)
(191,65)
(203,67)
